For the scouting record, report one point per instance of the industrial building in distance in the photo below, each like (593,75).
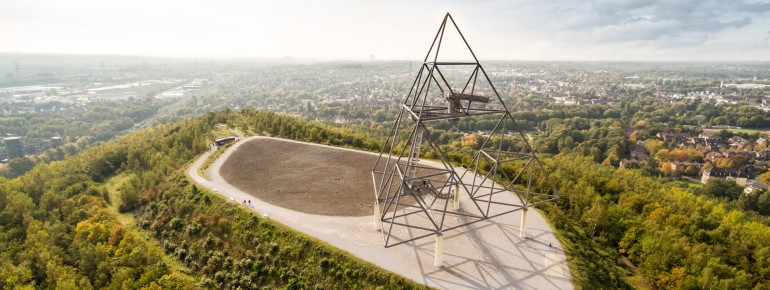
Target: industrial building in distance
(13,147)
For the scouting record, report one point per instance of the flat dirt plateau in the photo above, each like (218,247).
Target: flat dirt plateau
(303,177)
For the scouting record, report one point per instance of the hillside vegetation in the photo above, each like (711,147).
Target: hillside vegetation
(619,226)
(57,229)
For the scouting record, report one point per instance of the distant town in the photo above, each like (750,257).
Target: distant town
(366,94)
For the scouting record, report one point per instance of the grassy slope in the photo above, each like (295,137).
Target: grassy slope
(128,221)
(233,247)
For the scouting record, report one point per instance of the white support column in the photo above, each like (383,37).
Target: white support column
(377,221)
(523,228)
(438,262)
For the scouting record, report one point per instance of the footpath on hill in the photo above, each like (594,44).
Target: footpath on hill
(485,255)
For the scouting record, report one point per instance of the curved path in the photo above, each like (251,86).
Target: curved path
(485,255)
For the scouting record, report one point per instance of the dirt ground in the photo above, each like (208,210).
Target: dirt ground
(303,177)
(486,255)
(306,177)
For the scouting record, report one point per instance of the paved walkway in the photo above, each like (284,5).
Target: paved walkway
(485,255)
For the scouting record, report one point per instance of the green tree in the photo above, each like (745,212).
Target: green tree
(764,177)
(722,188)
(763,204)
(19,166)
(723,134)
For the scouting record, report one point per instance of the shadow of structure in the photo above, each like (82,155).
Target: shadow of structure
(491,255)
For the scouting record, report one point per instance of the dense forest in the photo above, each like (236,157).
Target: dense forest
(122,215)
(61,226)
(102,120)
(79,127)
(675,237)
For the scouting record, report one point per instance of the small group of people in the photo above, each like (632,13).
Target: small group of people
(245,202)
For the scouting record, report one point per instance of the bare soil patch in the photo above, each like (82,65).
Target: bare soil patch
(303,177)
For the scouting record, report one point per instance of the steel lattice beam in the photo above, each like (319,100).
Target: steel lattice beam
(417,197)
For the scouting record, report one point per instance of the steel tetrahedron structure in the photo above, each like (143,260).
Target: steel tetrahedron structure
(417,198)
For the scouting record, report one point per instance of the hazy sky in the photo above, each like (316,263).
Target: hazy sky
(393,29)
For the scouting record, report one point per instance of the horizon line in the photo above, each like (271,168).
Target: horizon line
(356,59)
